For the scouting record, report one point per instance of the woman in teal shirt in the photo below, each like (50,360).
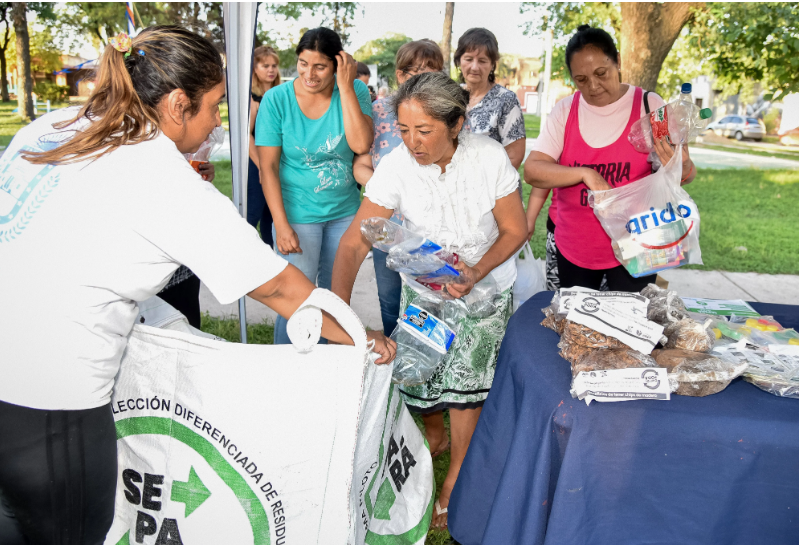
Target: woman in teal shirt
(306,135)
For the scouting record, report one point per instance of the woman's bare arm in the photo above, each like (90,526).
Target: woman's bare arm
(362,168)
(353,248)
(516,152)
(543,171)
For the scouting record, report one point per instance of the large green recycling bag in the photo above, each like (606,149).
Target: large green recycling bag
(244,444)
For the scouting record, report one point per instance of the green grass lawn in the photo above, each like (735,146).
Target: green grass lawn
(755,209)
(10,122)
(746,150)
(229,330)
(532,125)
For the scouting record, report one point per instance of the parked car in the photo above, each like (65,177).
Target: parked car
(740,127)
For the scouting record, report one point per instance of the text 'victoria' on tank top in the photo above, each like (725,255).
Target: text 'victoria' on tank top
(579,236)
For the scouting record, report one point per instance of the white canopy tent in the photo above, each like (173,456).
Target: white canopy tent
(240,22)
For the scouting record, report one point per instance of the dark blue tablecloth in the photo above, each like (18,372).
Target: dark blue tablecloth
(543,468)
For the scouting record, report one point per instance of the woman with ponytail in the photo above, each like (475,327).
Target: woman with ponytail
(98,208)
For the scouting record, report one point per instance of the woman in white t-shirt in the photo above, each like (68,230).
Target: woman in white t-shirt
(584,147)
(98,208)
(459,190)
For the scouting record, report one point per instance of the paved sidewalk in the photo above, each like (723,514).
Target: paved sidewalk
(765,288)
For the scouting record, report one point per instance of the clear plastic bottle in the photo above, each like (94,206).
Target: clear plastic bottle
(680,120)
(409,252)
(423,335)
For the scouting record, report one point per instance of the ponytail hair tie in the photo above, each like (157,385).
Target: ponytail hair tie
(122,43)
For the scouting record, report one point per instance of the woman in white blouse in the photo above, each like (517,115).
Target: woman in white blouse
(459,190)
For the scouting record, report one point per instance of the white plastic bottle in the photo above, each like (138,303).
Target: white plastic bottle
(680,120)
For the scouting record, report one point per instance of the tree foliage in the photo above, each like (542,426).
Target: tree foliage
(756,42)
(99,21)
(743,46)
(383,52)
(565,18)
(45,54)
(338,16)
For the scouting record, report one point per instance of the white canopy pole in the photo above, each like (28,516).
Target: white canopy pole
(240,23)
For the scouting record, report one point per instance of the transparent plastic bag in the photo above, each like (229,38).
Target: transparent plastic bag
(777,375)
(578,341)
(206,149)
(410,253)
(429,326)
(664,306)
(653,223)
(688,334)
(612,358)
(423,335)
(481,302)
(556,313)
(530,277)
(697,374)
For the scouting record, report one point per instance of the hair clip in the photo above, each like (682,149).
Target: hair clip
(122,43)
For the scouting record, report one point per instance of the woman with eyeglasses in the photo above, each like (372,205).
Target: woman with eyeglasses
(412,58)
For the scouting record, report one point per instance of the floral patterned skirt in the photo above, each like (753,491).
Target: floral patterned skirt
(463,379)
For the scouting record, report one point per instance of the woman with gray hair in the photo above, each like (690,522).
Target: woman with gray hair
(459,190)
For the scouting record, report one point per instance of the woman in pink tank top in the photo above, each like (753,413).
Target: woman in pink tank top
(584,254)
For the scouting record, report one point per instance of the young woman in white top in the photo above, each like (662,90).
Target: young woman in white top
(98,208)
(459,190)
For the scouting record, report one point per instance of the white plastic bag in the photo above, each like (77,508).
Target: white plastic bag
(653,223)
(247,444)
(530,277)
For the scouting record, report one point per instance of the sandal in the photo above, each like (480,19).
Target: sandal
(441,450)
(439,512)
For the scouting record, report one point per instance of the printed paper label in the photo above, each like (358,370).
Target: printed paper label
(609,318)
(621,300)
(428,328)
(622,384)
(719,307)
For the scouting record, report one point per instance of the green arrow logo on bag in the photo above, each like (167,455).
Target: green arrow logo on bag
(193,492)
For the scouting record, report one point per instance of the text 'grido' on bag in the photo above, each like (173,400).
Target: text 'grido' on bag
(653,223)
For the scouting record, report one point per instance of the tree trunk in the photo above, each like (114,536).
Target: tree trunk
(3,78)
(447,34)
(648,32)
(3,65)
(24,98)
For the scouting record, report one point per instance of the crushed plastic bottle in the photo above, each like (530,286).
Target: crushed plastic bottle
(681,121)
(423,335)
(411,253)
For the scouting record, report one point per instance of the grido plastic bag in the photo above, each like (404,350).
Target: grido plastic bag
(530,277)
(653,223)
